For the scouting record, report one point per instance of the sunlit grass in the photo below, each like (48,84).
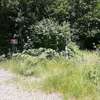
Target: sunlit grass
(77,78)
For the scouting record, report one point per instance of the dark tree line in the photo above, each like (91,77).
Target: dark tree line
(20,17)
(85,21)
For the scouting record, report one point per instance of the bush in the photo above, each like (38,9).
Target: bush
(94,75)
(49,34)
(70,51)
(41,53)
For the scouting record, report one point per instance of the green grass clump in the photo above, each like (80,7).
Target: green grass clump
(23,65)
(72,81)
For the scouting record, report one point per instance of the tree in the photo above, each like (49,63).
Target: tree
(59,10)
(18,15)
(84,23)
(6,26)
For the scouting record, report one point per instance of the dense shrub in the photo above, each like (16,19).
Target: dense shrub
(85,21)
(41,53)
(70,51)
(49,34)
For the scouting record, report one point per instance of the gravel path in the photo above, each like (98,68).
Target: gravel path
(9,91)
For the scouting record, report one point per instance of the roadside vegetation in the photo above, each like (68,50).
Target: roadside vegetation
(77,77)
(52,45)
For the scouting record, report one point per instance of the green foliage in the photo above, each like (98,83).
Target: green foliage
(84,21)
(59,10)
(49,34)
(70,51)
(94,74)
(19,16)
(25,64)
(41,53)
(16,16)
(74,78)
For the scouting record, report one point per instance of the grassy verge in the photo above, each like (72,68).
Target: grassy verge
(77,78)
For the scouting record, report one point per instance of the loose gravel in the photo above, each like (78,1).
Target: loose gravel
(9,91)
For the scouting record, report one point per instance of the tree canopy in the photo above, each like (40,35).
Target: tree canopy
(17,17)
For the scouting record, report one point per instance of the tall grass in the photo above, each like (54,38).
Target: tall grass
(77,78)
